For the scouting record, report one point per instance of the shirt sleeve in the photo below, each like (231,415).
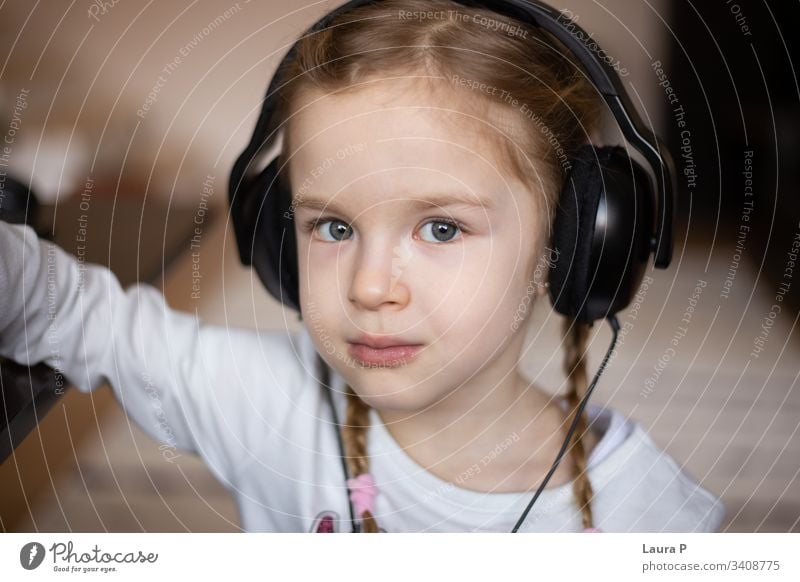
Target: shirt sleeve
(190,385)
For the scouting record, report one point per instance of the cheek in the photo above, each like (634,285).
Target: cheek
(490,274)
(488,297)
(319,268)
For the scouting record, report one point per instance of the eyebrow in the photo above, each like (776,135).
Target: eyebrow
(438,200)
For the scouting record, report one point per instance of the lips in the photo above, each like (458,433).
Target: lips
(383,351)
(384,341)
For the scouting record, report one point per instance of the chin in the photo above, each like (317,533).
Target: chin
(393,396)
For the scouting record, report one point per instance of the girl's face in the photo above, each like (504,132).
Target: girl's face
(420,235)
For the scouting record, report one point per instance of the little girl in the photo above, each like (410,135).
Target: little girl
(425,145)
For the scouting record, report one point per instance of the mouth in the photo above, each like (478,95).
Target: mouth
(389,356)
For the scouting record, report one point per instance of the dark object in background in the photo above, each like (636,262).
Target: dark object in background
(734,69)
(23,389)
(18,203)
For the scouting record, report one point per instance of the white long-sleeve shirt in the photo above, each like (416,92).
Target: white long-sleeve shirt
(249,403)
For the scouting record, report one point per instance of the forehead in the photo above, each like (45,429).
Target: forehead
(394,138)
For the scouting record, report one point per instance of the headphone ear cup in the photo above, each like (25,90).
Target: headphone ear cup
(602,233)
(273,243)
(572,232)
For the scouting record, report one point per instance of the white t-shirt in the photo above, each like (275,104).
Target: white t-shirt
(250,404)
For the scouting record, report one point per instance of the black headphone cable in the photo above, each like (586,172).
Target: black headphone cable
(612,320)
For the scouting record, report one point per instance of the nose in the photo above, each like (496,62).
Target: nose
(379,275)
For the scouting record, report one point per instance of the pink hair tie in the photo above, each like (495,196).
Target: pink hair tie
(592,530)
(362,493)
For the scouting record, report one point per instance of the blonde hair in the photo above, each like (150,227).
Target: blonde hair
(561,107)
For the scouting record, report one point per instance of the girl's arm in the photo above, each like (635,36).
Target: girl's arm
(187,384)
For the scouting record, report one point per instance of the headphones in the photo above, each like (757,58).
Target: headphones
(612,214)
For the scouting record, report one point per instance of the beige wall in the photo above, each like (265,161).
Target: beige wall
(88,75)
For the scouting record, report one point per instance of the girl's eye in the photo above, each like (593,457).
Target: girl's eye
(337,229)
(442,230)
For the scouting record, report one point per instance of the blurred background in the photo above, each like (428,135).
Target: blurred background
(145,105)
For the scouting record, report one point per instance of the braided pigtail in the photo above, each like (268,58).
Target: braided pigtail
(354,437)
(575,335)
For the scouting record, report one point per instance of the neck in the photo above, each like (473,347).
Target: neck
(464,416)
(472,421)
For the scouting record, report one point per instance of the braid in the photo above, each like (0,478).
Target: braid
(354,436)
(575,335)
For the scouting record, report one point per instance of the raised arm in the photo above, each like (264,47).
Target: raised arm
(76,318)
(186,383)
